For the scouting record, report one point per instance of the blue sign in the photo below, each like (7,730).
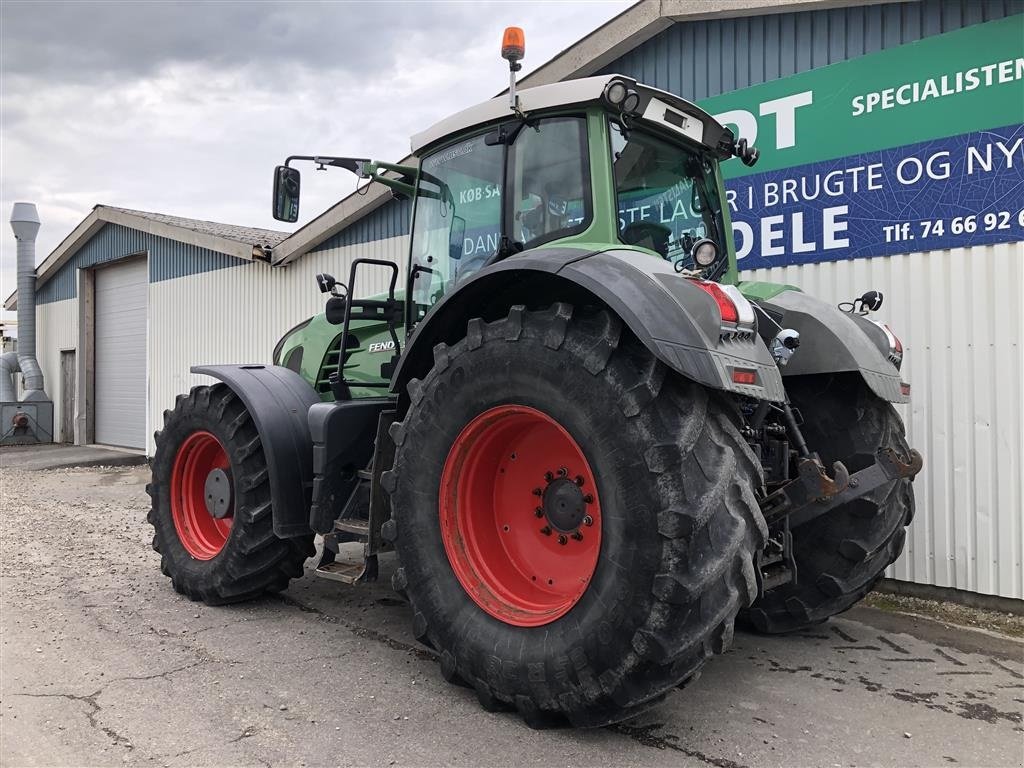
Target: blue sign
(952,192)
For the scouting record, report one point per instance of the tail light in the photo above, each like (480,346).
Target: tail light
(895,345)
(736,312)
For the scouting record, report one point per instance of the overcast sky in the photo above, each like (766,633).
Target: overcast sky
(185,107)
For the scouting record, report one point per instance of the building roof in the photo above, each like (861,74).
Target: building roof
(241,242)
(247,235)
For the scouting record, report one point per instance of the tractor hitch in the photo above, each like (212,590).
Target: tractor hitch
(813,492)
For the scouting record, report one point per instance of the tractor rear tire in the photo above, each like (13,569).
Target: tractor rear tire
(210,435)
(519,428)
(841,555)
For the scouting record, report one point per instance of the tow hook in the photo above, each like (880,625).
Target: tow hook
(813,492)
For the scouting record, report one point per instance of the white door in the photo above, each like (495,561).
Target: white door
(121,297)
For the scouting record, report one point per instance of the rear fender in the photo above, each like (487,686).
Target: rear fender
(671,316)
(278,399)
(832,341)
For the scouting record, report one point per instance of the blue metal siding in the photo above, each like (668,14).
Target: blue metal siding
(167,259)
(701,59)
(390,220)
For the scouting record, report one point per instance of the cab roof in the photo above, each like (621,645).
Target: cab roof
(657,107)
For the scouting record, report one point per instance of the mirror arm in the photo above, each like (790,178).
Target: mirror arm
(405,184)
(354,164)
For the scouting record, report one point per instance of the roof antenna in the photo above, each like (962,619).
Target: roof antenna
(513,48)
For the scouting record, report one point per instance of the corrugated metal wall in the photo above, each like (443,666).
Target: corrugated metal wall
(167,259)
(237,315)
(958,313)
(705,58)
(390,220)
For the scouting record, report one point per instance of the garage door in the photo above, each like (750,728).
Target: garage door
(121,295)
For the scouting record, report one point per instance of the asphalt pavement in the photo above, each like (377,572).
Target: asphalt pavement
(102,663)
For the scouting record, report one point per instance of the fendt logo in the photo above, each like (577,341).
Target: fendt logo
(380,346)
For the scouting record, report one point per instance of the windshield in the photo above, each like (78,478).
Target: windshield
(495,194)
(666,196)
(458,215)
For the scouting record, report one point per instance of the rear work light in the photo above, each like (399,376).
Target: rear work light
(736,312)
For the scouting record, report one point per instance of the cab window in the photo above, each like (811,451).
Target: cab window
(550,181)
(665,194)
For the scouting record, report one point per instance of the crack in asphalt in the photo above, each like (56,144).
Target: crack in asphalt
(94,709)
(164,675)
(358,630)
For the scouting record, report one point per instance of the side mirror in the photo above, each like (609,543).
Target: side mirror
(286,193)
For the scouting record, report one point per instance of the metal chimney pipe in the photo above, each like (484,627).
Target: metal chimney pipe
(25,223)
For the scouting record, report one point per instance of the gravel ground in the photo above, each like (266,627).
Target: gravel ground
(102,663)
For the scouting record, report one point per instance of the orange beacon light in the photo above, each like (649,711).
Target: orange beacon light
(513,44)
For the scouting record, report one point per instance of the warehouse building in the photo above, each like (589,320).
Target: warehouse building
(892,140)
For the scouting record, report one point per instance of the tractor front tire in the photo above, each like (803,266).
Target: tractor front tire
(209,455)
(842,554)
(575,524)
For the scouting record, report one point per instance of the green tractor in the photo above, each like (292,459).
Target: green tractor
(590,447)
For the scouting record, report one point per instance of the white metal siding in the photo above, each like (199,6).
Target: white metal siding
(237,315)
(56,330)
(958,313)
(120,366)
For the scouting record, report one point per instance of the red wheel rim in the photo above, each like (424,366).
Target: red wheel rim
(520,515)
(202,534)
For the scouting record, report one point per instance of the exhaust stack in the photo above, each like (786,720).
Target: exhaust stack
(25,223)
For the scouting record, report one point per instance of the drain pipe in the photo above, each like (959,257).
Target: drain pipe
(25,223)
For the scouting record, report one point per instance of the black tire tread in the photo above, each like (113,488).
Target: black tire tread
(710,531)
(254,560)
(843,554)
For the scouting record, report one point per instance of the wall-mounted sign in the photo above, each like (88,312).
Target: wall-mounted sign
(916,148)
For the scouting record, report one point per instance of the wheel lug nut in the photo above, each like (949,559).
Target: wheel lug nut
(588,520)
(589,498)
(562,539)
(549,476)
(579,480)
(578,536)
(562,472)
(539,512)
(538,492)
(546,530)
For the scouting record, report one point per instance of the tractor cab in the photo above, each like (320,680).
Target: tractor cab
(593,164)
(597,163)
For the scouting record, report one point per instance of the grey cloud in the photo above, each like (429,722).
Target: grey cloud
(78,40)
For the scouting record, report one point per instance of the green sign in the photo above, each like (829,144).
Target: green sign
(963,81)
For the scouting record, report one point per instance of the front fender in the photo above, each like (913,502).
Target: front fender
(677,321)
(278,400)
(832,341)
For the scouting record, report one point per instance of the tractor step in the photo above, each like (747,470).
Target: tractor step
(350,573)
